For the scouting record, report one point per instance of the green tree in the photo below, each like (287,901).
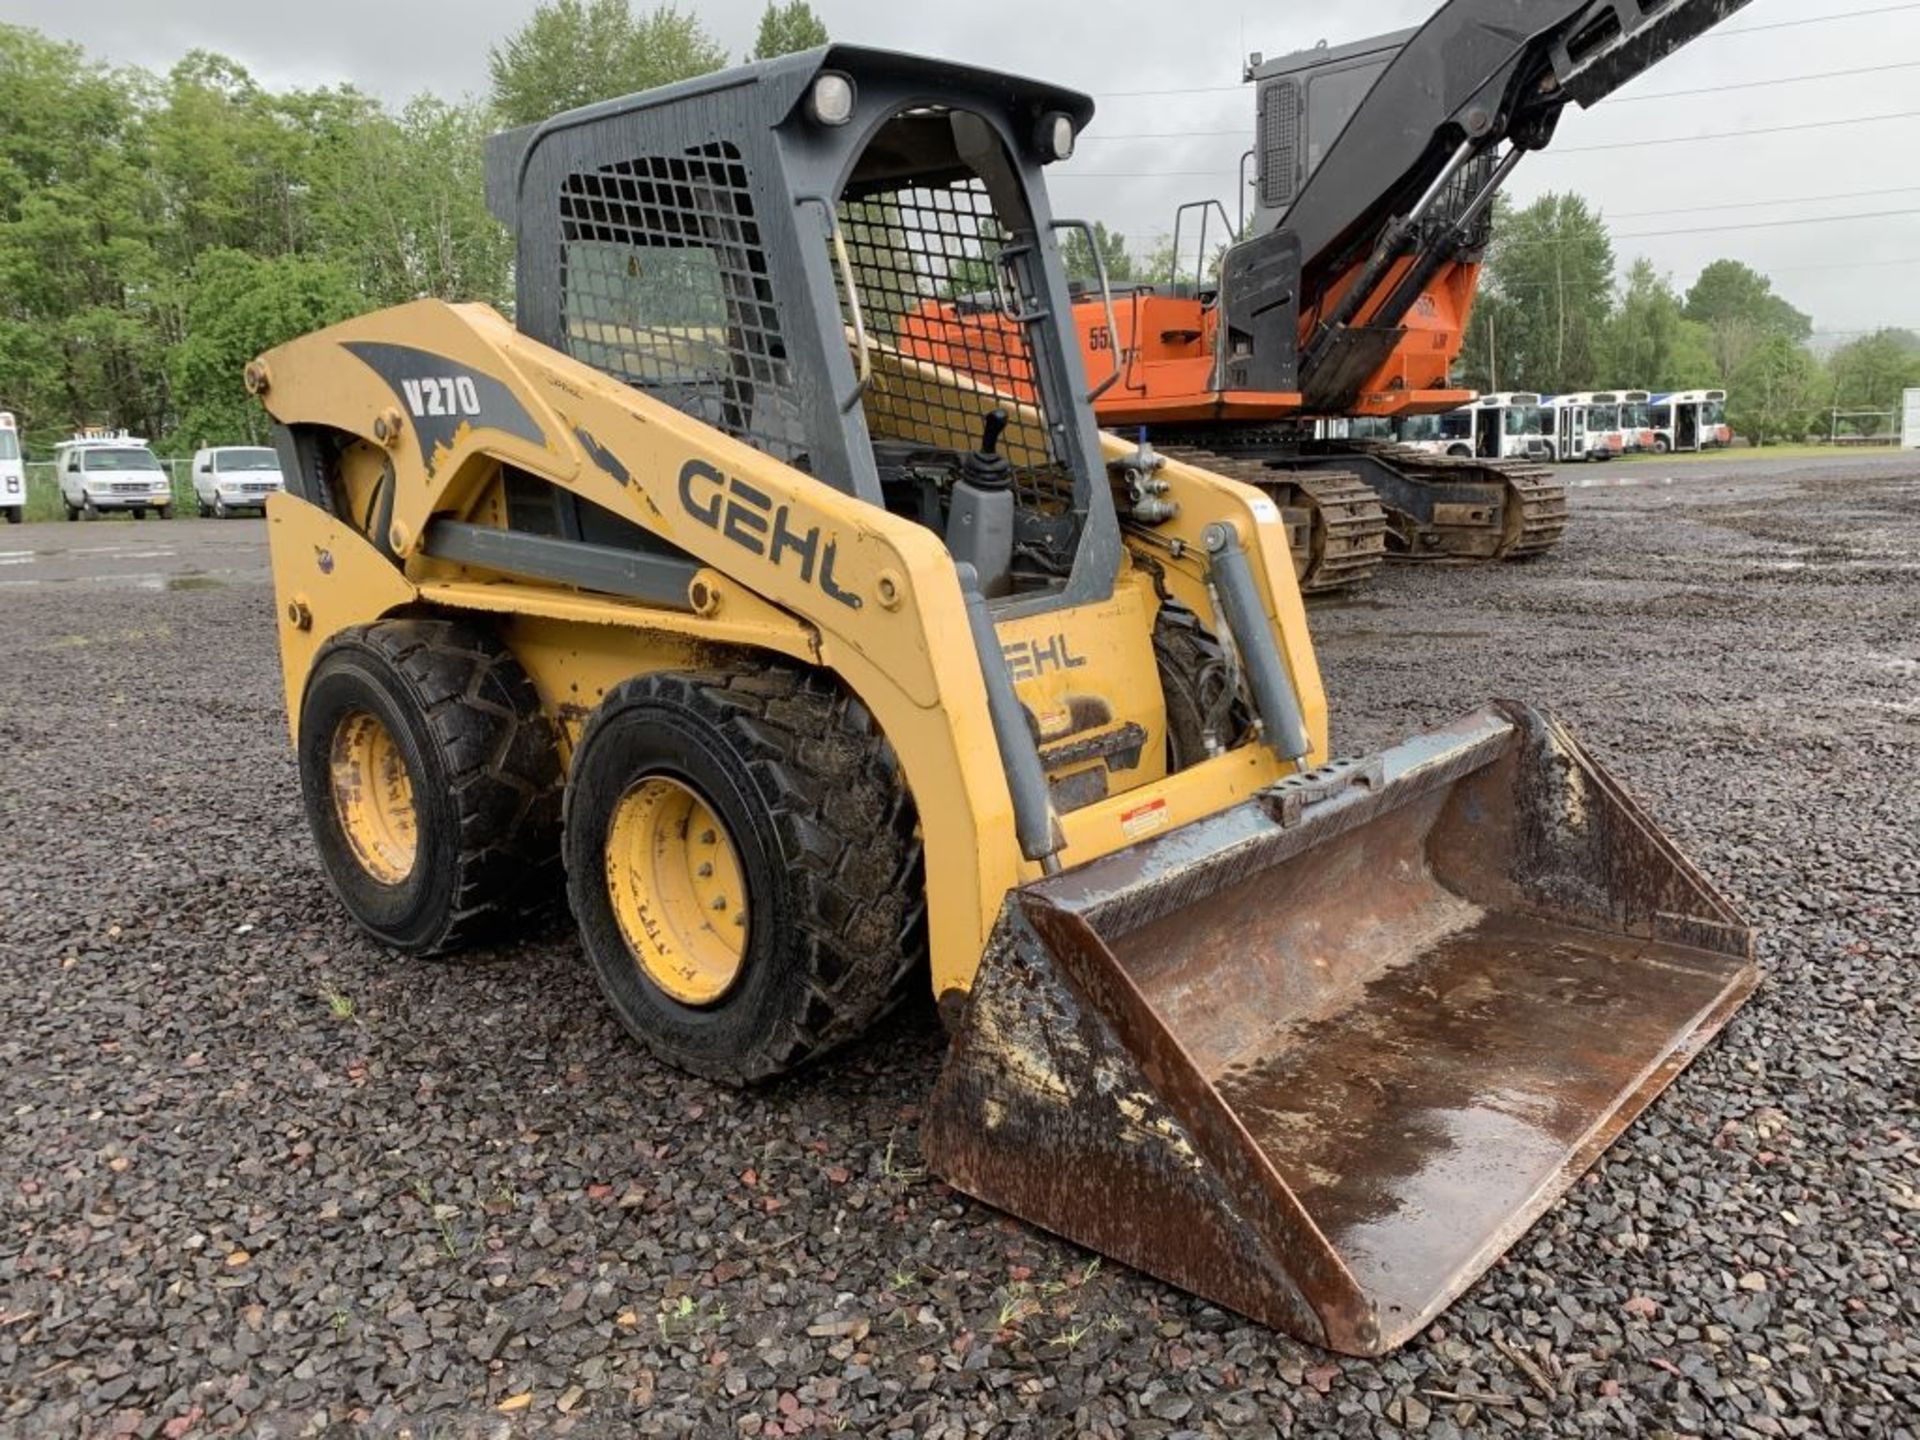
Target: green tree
(1158,266)
(787,30)
(1777,392)
(81,287)
(1648,339)
(1739,308)
(237,306)
(576,52)
(406,212)
(1550,273)
(227,160)
(1873,373)
(1077,255)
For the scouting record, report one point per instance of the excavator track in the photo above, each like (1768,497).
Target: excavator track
(1336,525)
(1535,513)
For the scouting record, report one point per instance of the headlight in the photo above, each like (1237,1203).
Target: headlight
(1056,136)
(830,102)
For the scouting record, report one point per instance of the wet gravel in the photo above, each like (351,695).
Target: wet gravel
(257,1177)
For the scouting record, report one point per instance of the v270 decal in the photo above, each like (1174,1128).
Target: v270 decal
(443,396)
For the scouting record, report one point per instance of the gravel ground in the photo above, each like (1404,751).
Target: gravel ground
(257,1177)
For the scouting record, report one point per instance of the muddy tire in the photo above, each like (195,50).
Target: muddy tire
(432,784)
(820,926)
(1204,716)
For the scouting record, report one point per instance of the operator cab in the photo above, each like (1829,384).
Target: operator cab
(759,260)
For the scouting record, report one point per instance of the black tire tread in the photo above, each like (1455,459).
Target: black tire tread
(503,771)
(1186,652)
(848,836)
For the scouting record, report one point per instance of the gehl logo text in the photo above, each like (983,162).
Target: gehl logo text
(750,519)
(1030,659)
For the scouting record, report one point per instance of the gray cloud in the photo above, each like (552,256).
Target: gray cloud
(1841,272)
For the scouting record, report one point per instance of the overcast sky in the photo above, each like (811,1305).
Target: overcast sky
(1852,275)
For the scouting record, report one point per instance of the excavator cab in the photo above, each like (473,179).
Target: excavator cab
(832,653)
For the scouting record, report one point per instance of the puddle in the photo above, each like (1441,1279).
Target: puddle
(195,582)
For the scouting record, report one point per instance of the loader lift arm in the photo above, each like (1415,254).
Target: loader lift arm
(1479,75)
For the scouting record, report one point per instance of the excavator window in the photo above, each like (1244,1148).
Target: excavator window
(666,285)
(1332,98)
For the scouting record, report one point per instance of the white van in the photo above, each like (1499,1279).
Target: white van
(13,471)
(227,478)
(101,471)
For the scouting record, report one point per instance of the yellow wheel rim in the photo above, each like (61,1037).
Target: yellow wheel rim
(677,891)
(373,796)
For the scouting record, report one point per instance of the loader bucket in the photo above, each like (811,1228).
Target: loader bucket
(1322,1057)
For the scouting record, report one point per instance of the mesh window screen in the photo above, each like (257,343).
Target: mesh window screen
(1279,142)
(666,286)
(926,265)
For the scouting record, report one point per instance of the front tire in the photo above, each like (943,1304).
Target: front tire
(744,863)
(220,511)
(432,784)
(1205,716)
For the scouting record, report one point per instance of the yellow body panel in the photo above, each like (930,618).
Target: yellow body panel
(328,579)
(868,595)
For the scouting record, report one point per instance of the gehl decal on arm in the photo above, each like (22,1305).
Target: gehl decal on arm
(1031,659)
(750,519)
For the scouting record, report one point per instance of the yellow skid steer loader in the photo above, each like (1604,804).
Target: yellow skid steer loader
(822,671)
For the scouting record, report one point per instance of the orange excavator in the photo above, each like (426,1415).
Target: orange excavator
(1376,168)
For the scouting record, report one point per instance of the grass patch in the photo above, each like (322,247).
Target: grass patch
(1748,453)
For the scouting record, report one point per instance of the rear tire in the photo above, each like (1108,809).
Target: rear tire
(15,514)
(808,805)
(472,845)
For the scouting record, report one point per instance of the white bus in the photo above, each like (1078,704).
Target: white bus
(1448,433)
(1585,426)
(1690,420)
(13,471)
(1636,423)
(1510,426)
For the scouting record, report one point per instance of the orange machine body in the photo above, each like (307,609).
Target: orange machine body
(1158,356)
